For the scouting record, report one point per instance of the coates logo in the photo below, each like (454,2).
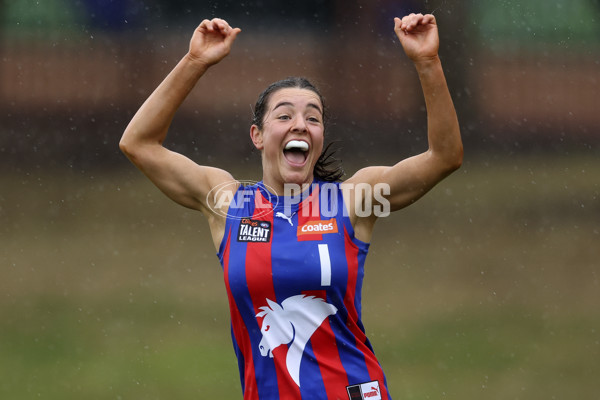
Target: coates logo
(227,198)
(318,227)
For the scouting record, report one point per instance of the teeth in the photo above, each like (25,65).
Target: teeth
(296,144)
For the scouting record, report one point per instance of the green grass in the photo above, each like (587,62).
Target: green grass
(487,288)
(114,348)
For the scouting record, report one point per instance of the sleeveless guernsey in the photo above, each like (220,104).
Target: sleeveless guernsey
(293,272)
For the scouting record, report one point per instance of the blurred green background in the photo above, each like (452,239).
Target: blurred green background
(487,288)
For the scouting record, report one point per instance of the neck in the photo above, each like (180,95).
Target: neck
(280,188)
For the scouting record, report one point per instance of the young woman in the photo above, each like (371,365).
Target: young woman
(293,246)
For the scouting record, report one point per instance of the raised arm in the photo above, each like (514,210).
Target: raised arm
(177,176)
(411,178)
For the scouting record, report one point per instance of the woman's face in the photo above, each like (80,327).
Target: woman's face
(291,140)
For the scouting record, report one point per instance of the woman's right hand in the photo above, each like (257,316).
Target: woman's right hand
(212,41)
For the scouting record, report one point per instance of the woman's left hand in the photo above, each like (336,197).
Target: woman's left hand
(418,35)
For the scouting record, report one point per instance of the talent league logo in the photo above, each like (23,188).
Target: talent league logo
(254,231)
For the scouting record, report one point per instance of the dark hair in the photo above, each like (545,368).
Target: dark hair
(327,168)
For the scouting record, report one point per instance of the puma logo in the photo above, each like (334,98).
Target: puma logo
(282,215)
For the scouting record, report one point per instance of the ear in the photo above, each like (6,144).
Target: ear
(257,137)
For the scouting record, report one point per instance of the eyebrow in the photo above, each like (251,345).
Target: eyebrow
(287,103)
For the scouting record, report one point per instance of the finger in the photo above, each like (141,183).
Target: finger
(203,27)
(220,24)
(217,25)
(214,25)
(428,19)
(232,35)
(397,25)
(208,27)
(409,21)
(414,21)
(405,21)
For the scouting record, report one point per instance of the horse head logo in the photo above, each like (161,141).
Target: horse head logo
(293,322)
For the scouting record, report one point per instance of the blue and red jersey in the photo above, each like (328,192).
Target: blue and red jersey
(293,272)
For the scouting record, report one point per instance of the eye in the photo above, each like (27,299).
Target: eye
(314,119)
(284,117)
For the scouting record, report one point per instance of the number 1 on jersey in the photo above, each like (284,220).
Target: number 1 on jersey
(325,265)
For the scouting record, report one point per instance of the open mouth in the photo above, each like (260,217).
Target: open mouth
(296,152)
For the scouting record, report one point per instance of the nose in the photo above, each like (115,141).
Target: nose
(299,124)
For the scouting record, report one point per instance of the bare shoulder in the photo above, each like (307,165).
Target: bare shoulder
(217,177)
(221,187)
(363,201)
